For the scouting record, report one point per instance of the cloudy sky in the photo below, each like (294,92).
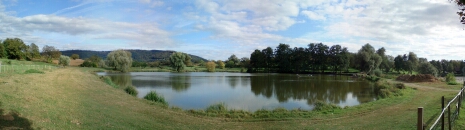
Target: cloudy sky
(217,29)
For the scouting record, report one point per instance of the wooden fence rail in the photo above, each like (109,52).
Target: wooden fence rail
(452,113)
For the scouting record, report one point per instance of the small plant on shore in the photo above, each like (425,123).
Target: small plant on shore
(217,108)
(33,71)
(372,78)
(153,96)
(131,90)
(107,80)
(323,106)
(450,79)
(386,89)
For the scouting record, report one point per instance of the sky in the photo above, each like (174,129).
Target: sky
(216,29)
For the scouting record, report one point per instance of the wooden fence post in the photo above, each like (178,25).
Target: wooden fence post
(448,116)
(420,119)
(442,117)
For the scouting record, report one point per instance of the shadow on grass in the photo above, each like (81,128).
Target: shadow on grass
(12,120)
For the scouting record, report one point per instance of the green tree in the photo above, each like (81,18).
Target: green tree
(245,62)
(234,59)
(427,68)
(283,57)
(75,56)
(120,59)
(15,48)
(229,64)
(64,60)
(399,63)
(50,52)
(210,66)
(34,50)
(2,50)
(368,59)
(268,56)
(221,64)
(257,59)
(178,61)
(412,62)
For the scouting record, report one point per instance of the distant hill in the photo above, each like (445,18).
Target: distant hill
(137,55)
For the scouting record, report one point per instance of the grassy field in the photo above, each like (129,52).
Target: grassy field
(75,98)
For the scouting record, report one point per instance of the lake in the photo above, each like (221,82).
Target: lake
(246,91)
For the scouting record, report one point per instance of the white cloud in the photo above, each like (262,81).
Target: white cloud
(313,16)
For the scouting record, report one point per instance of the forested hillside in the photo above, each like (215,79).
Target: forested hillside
(137,55)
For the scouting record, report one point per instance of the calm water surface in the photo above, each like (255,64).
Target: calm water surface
(198,90)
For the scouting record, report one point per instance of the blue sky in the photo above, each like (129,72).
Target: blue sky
(216,29)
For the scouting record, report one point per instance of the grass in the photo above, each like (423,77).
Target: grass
(78,99)
(33,71)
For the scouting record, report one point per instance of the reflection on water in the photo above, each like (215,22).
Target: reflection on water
(249,91)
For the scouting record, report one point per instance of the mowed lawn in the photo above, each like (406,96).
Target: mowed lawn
(74,98)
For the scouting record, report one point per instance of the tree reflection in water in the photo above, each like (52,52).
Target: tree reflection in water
(333,89)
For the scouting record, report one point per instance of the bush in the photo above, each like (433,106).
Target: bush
(452,83)
(75,56)
(217,108)
(323,106)
(210,66)
(64,60)
(378,72)
(450,77)
(131,90)
(372,78)
(153,96)
(33,71)
(385,89)
(108,80)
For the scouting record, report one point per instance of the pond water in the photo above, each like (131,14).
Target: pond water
(245,91)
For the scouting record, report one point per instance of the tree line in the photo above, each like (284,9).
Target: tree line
(321,58)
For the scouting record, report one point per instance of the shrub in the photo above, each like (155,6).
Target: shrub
(378,72)
(323,106)
(385,89)
(450,77)
(107,80)
(153,96)
(452,83)
(33,71)
(210,66)
(64,60)
(372,78)
(217,108)
(131,90)
(75,56)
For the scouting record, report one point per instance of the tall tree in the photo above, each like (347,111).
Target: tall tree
(282,56)
(368,59)
(50,52)
(2,50)
(413,61)
(269,58)
(120,59)
(257,60)
(398,63)
(178,61)
(15,48)
(34,51)
(245,62)
(234,59)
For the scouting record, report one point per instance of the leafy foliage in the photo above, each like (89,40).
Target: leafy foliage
(153,96)
(210,66)
(427,68)
(50,52)
(64,60)
(131,90)
(15,48)
(75,56)
(179,61)
(120,59)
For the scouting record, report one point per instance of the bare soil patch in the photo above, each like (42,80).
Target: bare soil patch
(72,62)
(417,78)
